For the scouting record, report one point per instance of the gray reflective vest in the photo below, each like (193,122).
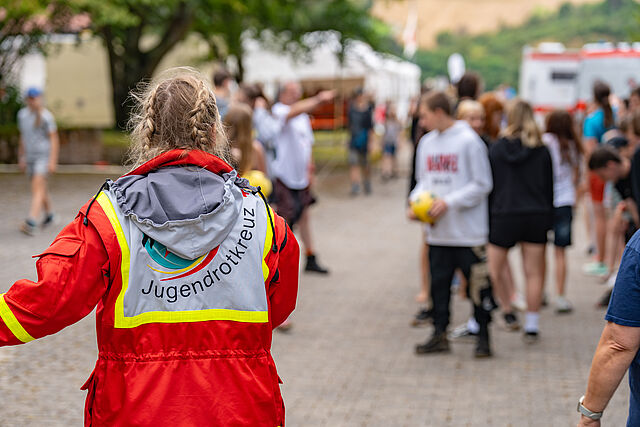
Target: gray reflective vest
(225,284)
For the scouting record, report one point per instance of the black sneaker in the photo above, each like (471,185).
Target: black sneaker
(530,337)
(48,220)
(313,266)
(483,349)
(438,343)
(422,318)
(511,322)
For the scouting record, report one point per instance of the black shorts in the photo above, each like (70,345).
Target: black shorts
(562,218)
(290,204)
(505,231)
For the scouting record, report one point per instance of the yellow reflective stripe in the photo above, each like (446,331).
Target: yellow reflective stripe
(194,316)
(12,323)
(121,321)
(108,209)
(267,244)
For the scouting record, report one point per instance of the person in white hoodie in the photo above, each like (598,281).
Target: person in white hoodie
(452,163)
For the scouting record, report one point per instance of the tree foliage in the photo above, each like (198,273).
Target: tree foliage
(23,28)
(139,33)
(497,55)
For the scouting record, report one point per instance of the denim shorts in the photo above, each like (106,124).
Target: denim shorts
(562,218)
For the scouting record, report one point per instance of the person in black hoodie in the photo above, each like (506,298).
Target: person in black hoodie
(521,210)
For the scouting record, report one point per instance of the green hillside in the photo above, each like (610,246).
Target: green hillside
(496,56)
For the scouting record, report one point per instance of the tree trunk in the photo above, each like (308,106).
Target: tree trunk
(240,76)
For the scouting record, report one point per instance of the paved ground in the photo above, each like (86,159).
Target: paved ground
(349,359)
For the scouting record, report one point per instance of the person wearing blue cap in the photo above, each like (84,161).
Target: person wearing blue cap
(38,156)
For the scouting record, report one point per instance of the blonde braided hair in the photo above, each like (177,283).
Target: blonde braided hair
(176,111)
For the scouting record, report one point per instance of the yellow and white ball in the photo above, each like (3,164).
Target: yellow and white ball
(421,204)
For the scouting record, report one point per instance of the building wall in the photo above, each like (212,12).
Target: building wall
(78,83)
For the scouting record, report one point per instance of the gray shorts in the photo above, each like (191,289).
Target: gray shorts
(38,166)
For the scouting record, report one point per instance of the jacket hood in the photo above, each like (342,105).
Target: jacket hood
(188,205)
(512,150)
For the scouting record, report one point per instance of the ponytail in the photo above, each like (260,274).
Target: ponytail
(601,93)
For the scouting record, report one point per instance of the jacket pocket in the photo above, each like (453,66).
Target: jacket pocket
(66,247)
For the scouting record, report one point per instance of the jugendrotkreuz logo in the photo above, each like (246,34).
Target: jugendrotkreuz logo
(172,263)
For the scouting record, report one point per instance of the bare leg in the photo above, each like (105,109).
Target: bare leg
(387,165)
(38,196)
(507,277)
(425,285)
(601,230)
(533,263)
(497,258)
(561,269)
(305,231)
(354,174)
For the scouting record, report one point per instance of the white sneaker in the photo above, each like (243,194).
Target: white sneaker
(519,303)
(563,306)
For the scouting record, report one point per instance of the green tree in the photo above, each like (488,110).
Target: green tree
(139,33)
(497,55)
(23,27)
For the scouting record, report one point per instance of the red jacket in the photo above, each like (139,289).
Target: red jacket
(173,373)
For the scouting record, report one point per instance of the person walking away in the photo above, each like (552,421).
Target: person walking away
(246,151)
(452,163)
(360,130)
(595,126)
(521,206)
(392,132)
(293,165)
(38,156)
(565,148)
(190,271)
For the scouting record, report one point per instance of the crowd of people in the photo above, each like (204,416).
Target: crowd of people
(500,174)
(503,175)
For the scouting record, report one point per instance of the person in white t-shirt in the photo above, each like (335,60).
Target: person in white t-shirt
(293,167)
(566,151)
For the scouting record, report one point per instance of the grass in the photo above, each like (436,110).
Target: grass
(329,147)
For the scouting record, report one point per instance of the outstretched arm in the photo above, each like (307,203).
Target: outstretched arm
(309,104)
(73,275)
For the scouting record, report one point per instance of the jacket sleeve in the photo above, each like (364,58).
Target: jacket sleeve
(73,275)
(480,183)
(283,287)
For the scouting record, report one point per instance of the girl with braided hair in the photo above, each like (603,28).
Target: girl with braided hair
(190,271)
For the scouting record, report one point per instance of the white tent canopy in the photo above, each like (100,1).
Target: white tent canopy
(387,77)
